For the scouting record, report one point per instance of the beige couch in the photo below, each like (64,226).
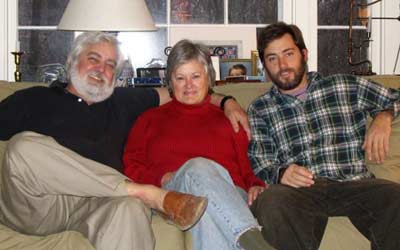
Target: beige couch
(340,233)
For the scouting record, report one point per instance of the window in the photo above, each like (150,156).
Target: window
(333,33)
(325,33)
(44,45)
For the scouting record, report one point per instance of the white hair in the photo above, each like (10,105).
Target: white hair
(90,38)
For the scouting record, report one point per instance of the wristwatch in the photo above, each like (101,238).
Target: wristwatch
(223,101)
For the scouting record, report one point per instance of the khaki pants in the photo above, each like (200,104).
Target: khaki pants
(47,188)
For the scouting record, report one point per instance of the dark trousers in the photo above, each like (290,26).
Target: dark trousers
(295,218)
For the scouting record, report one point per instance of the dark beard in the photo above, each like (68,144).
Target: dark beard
(298,76)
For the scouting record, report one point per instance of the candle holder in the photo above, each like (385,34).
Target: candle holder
(17,61)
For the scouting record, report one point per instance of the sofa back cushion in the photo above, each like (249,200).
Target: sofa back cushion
(244,93)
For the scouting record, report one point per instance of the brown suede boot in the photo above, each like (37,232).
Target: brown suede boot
(183,210)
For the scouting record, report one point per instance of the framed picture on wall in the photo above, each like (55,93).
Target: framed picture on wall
(226,64)
(224,49)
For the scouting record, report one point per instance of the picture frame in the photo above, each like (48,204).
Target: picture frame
(224,51)
(257,66)
(226,64)
(151,72)
(149,77)
(255,60)
(215,63)
(232,49)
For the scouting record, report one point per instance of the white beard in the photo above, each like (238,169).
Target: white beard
(89,92)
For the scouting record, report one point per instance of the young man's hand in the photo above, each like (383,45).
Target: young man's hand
(297,176)
(376,143)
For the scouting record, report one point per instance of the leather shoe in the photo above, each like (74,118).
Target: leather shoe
(183,210)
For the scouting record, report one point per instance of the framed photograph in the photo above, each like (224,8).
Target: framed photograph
(258,69)
(215,63)
(224,51)
(226,64)
(255,61)
(149,77)
(151,72)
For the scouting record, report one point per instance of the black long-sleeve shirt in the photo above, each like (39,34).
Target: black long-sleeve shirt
(96,131)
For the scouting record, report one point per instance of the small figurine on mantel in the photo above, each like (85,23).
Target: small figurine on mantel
(155,63)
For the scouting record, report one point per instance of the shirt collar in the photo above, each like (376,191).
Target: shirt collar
(312,77)
(61,88)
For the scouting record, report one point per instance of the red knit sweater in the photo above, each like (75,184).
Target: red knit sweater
(164,138)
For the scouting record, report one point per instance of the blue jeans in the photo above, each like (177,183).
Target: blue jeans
(227,215)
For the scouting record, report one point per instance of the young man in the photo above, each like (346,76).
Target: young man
(308,139)
(63,162)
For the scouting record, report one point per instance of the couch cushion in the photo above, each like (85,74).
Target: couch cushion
(68,240)
(244,93)
(389,81)
(167,236)
(340,234)
(8,88)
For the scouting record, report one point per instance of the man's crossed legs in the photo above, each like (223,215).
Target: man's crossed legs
(47,188)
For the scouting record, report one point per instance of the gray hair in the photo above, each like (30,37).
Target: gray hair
(185,51)
(89,38)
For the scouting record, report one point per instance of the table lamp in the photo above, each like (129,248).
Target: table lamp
(106,15)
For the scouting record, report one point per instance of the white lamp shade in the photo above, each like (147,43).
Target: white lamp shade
(107,15)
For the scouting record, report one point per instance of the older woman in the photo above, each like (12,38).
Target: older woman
(189,146)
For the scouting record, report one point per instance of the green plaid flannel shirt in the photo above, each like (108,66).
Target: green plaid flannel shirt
(324,132)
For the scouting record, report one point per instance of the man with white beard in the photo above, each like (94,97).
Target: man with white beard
(62,168)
